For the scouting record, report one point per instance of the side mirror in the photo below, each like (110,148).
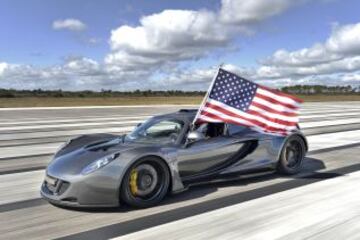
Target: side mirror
(194,136)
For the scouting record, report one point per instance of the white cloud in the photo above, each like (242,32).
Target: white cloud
(73,74)
(150,55)
(340,53)
(335,61)
(83,66)
(352,78)
(349,64)
(70,24)
(251,11)
(196,79)
(169,36)
(172,36)
(3,66)
(343,42)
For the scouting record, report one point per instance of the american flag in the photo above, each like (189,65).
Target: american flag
(233,99)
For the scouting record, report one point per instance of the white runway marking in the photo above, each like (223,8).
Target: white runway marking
(341,114)
(9,120)
(45,126)
(321,111)
(64,132)
(28,150)
(329,123)
(329,140)
(316,142)
(294,214)
(48,148)
(34,123)
(20,186)
(71,120)
(36,222)
(96,107)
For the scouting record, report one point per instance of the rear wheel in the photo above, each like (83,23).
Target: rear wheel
(145,183)
(292,155)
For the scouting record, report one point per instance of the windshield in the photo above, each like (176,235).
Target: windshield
(159,131)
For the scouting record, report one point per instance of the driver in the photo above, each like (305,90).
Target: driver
(211,130)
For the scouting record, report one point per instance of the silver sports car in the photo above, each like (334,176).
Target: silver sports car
(163,155)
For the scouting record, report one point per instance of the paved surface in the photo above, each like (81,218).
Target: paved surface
(301,213)
(317,204)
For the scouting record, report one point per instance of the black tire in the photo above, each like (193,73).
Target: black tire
(151,191)
(292,155)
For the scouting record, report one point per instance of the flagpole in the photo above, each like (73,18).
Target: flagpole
(206,96)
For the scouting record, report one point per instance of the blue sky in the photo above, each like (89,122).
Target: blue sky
(126,45)
(30,38)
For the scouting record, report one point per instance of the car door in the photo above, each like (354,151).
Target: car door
(208,155)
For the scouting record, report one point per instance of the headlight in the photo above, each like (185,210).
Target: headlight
(98,164)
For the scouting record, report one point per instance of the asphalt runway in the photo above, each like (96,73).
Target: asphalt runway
(29,137)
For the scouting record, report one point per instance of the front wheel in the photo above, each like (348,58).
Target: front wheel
(292,155)
(145,183)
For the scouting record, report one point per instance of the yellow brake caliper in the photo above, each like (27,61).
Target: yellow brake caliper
(133,182)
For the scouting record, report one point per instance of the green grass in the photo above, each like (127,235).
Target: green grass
(115,101)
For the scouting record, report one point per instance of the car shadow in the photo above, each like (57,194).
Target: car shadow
(310,170)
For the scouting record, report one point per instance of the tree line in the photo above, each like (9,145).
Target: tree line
(13,93)
(321,89)
(297,89)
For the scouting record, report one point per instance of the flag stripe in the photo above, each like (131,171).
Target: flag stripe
(275,101)
(206,118)
(272,119)
(299,100)
(235,100)
(283,99)
(235,113)
(277,107)
(273,115)
(271,110)
(238,121)
(214,105)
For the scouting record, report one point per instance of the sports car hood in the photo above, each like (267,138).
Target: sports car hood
(82,151)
